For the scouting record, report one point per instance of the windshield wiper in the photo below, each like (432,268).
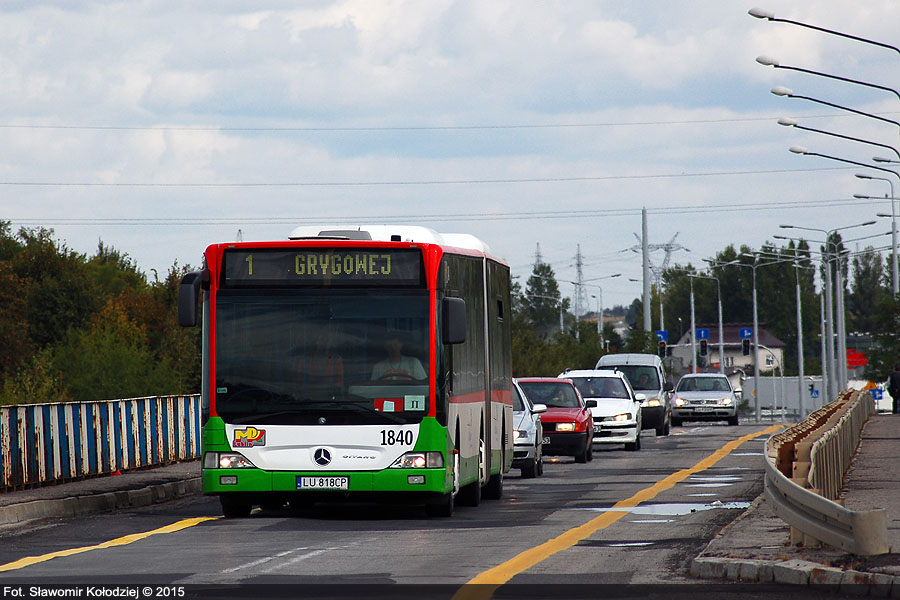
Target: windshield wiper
(358,404)
(254,416)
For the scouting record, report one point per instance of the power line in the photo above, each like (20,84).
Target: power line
(208,128)
(142,184)
(400,218)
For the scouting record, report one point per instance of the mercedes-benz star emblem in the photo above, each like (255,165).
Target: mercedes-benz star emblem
(322,456)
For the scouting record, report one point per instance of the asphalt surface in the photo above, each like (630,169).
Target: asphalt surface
(753,548)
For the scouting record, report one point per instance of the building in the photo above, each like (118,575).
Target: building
(770,354)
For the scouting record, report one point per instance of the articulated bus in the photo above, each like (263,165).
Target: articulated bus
(365,363)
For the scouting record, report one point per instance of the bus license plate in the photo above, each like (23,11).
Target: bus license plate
(323,483)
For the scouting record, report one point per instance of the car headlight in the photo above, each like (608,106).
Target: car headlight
(419,460)
(519,434)
(622,417)
(226,460)
(726,401)
(653,402)
(679,402)
(565,426)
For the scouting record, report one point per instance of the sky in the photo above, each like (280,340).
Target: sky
(159,127)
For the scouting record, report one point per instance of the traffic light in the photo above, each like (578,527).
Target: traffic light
(745,346)
(662,348)
(703,348)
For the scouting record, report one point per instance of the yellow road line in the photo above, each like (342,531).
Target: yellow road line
(493,578)
(122,541)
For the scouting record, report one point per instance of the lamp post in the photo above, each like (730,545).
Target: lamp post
(804,151)
(829,323)
(784,91)
(721,335)
(599,301)
(792,123)
(894,276)
(768,61)
(760,13)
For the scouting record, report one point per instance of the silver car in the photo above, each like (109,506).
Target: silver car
(704,397)
(528,434)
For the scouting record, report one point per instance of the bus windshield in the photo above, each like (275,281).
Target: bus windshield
(322,356)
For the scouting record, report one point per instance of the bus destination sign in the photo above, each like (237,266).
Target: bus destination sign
(322,266)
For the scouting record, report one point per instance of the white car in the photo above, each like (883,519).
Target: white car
(704,397)
(528,434)
(614,406)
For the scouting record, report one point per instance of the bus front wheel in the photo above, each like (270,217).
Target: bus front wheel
(235,507)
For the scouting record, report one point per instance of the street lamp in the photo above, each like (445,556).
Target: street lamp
(599,302)
(895,285)
(760,13)
(829,305)
(721,335)
(780,90)
(768,61)
(792,123)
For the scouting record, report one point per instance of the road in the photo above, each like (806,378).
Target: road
(556,529)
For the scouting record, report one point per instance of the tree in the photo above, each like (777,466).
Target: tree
(542,299)
(866,291)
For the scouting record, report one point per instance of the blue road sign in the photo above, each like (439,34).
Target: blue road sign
(813,393)
(662,335)
(877,394)
(702,334)
(746,332)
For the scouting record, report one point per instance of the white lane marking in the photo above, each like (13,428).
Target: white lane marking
(297,559)
(717,478)
(263,561)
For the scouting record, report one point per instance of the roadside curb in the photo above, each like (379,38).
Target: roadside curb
(796,572)
(78,506)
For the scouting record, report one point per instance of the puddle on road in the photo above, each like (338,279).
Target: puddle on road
(674,509)
(628,544)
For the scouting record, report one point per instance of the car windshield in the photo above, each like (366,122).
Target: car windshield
(518,403)
(313,356)
(553,394)
(641,377)
(703,384)
(600,387)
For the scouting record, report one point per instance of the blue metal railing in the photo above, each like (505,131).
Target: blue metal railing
(53,443)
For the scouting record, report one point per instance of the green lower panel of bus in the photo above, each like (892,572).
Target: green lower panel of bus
(217,481)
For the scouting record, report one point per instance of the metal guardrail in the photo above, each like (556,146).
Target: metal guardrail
(52,443)
(820,450)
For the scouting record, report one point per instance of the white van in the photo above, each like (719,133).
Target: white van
(646,374)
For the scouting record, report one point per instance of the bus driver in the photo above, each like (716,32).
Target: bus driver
(397,366)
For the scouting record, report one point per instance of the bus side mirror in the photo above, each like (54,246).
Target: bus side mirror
(188,296)
(454,322)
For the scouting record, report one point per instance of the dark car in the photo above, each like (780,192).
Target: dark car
(568,425)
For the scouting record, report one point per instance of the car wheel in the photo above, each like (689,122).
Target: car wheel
(676,422)
(539,466)
(529,470)
(635,445)
(664,430)
(590,451)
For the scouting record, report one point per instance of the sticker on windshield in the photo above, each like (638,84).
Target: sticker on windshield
(247,438)
(222,390)
(414,402)
(388,404)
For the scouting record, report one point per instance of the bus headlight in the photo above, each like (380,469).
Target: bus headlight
(419,460)
(226,460)
(565,426)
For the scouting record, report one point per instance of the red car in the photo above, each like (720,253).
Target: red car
(568,426)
